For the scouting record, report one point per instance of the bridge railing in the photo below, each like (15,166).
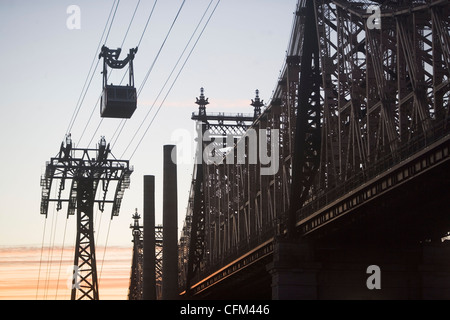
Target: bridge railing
(228,257)
(414,145)
(405,150)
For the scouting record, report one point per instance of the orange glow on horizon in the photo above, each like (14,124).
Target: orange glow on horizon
(23,276)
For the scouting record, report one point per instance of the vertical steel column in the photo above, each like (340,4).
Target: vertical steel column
(170,222)
(293,270)
(149,277)
(307,141)
(85,276)
(197,232)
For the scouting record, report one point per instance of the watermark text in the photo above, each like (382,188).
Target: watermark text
(256,147)
(374,21)
(374,280)
(73,21)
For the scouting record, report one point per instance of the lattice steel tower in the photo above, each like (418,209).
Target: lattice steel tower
(223,130)
(136,290)
(87,169)
(158,260)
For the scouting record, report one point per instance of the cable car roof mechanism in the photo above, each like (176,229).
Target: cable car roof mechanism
(118,101)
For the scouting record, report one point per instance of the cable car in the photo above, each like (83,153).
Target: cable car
(117,101)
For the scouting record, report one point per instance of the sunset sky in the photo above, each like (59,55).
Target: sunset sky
(43,71)
(35,273)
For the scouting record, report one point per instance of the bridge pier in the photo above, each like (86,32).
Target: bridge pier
(435,272)
(305,271)
(293,271)
(418,272)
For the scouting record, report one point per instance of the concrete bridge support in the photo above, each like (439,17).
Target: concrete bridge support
(360,272)
(293,271)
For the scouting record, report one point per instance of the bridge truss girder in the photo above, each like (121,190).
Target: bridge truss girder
(381,87)
(349,97)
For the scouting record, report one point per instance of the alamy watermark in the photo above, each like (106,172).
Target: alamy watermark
(374,280)
(256,147)
(374,21)
(73,280)
(73,21)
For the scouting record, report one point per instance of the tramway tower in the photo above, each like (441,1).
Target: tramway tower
(87,169)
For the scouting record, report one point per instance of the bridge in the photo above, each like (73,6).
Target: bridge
(338,187)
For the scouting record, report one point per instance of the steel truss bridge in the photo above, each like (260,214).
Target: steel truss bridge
(358,129)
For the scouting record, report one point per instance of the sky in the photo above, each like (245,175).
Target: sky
(27,274)
(46,63)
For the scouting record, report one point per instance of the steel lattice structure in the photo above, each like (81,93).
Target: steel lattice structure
(363,83)
(158,259)
(223,130)
(136,288)
(384,87)
(87,169)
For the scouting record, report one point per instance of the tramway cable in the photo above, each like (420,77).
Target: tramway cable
(176,78)
(86,86)
(98,61)
(82,96)
(80,101)
(123,41)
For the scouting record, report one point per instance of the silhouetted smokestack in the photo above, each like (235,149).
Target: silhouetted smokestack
(170,223)
(149,276)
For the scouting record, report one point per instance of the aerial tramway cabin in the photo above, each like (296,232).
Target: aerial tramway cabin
(117,101)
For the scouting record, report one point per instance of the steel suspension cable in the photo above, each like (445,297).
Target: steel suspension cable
(167,80)
(161,47)
(123,41)
(40,260)
(61,259)
(139,43)
(50,248)
(104,251)
(146,24)
(131,22)
(122,123)
(126,34)
(176,78)
(98,61)
(82,96)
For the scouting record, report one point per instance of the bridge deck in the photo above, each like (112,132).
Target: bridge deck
(372,214)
